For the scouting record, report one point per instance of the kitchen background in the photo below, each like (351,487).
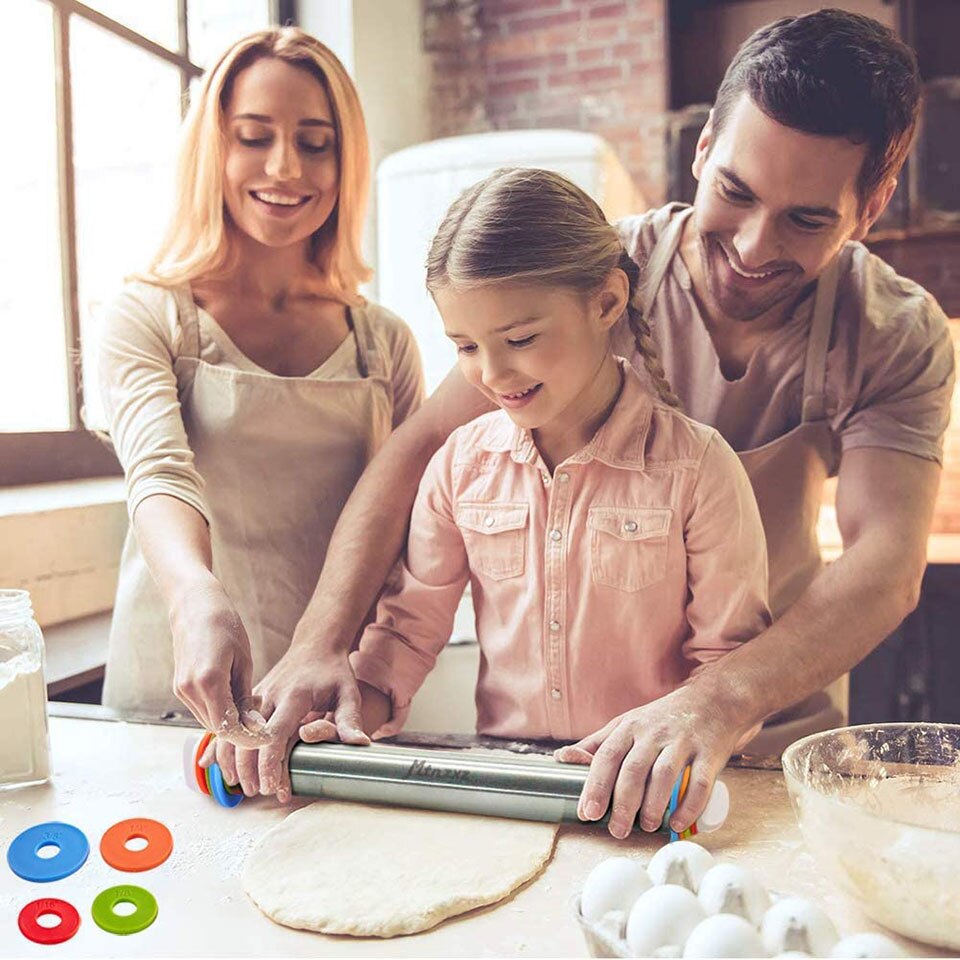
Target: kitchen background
(90,177)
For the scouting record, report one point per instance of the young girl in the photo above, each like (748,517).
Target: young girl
(613,545)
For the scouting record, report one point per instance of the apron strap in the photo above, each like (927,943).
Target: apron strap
(656,267)
(189,321)
(369,358)
(815,371)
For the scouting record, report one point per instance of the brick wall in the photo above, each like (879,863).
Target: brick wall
(592,65)
(453,40)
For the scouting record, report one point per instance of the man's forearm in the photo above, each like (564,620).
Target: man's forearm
(371,531)
(367,541)
(848,609)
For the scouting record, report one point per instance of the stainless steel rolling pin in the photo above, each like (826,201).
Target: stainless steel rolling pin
(477,781)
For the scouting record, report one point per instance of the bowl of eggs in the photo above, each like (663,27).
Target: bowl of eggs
(685,903)
(879,809)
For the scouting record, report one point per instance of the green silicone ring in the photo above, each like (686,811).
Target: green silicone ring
(140,919)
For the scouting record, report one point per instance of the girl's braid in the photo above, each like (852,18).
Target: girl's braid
(640,327)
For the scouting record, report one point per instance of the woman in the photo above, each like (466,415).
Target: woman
(246,382)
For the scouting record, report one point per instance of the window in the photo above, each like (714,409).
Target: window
(90,157)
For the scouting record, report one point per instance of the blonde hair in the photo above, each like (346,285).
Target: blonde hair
(535,226)
(197,242)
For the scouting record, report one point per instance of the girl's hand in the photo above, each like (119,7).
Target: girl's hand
(213,664)
(637,757)
(376,709)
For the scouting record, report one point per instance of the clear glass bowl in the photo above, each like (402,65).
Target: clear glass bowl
(879,808)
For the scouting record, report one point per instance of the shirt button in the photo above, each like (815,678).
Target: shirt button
(554,625)
(555,535)
(555,693)
(630,526)
(563,477)
(489,522)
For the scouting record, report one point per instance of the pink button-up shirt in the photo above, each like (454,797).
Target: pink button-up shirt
(596,589)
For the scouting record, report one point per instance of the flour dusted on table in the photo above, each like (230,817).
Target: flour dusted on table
(345,868)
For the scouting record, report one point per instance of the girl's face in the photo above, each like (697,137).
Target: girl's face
(534,350)
(281,172)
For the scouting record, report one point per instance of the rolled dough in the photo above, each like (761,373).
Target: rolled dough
(367,871)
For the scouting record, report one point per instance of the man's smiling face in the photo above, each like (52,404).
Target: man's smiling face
(773,207)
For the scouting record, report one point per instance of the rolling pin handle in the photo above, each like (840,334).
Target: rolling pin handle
(208,781)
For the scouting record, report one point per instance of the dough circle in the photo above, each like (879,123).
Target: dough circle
(367,871)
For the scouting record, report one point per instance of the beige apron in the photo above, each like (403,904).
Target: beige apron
(279,457)
(787,475)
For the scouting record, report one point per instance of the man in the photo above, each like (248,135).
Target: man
(809,355)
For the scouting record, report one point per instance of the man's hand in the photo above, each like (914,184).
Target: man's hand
(303,688)
(637,757)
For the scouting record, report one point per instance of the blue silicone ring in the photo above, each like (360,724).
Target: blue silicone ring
(219,789)
(72,855)
(672,806)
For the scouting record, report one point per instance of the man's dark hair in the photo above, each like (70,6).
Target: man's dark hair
(835,74)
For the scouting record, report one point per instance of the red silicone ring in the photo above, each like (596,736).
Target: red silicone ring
(197,769)
(64,930)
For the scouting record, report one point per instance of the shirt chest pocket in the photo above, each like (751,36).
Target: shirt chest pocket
(629,545)
(495,535)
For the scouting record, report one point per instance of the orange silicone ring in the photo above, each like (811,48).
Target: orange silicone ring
(684,783)
(113,846)
(197,769)
(691,831)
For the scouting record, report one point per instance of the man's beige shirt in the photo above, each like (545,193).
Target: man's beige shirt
(889,375)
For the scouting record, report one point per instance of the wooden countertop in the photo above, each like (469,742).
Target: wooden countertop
(105,772)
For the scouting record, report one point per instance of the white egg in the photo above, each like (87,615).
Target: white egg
(724,935)
(662,917)
(796,924)
(683,863)
(727,888)
(866,945)
(613,884)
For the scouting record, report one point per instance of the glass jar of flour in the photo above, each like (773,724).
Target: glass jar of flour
(24,753)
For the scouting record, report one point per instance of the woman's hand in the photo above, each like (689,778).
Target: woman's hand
(636,758)
(212,663)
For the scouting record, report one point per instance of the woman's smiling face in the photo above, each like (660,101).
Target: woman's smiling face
(281,170)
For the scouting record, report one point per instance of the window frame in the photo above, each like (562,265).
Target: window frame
(75,453)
